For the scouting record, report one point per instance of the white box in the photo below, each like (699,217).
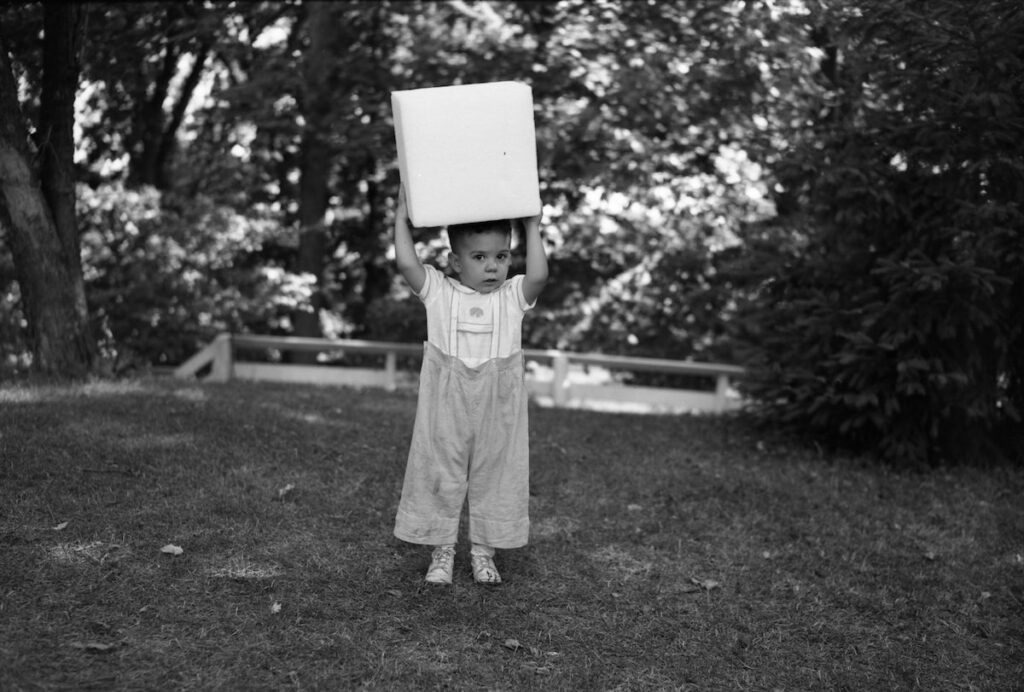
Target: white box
(467,153)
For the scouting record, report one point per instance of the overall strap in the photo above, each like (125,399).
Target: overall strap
(496,307)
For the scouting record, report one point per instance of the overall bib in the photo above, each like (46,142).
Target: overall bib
(470,442)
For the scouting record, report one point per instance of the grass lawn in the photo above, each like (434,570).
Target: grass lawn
(666,553)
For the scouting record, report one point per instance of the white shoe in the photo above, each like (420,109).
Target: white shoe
(484,571)
(441,562)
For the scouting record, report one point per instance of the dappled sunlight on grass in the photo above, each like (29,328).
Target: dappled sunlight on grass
(244,568)
(88,553)
(327,416)
(555,526)
(193,394)
(127,435)
(106,428)
(150,442)
(21,395)
(619,564)
(27,393)
(114,387)
(312,418)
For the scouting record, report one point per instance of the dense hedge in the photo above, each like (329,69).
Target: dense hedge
(897,327)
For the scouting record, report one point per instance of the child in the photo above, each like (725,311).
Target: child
(470,439)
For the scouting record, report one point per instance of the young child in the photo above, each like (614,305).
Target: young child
(470,440)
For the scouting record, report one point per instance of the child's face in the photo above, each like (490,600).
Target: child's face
(482,259)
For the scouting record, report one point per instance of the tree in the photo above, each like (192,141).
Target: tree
(315,163)
(181,31)
(659,124)
(895,326)
(142,64)
(37,205)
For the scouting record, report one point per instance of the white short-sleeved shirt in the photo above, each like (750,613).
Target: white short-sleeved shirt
(472,326)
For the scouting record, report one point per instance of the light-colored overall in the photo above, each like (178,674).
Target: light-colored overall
(471,438)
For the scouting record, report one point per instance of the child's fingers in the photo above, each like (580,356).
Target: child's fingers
(402,207)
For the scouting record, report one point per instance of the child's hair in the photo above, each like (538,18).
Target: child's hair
(458,232)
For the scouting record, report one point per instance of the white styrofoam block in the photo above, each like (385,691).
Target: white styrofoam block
(467,153)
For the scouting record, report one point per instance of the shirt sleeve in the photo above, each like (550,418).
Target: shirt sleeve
(431,283)
(516,286)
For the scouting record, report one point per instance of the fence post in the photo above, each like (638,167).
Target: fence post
(721,390)
(390,371)
(560,379)
(221,369)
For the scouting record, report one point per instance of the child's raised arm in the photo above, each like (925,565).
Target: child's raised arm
(405,248)
(536,260)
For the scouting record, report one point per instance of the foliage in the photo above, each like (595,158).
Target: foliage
(826,191)
(896,326)
(396,319)
(13,350)
(657,122)
(165,274)
(635,102)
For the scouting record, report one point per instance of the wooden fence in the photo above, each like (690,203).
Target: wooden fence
(556,378)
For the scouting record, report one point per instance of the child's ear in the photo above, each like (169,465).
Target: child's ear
(453,261)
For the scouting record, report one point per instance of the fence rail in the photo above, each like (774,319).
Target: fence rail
(557,378)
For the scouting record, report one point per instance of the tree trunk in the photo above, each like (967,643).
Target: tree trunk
(169,136)
(316,161)
(148,124)
(39,213)
(62,39)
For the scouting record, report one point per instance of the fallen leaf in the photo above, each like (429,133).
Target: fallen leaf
(171,549)
(513,644)
(706,584)
(275,608)
(395,592)
(282,492)
(61,526)
(930,555)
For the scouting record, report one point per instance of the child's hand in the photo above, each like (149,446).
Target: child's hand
(530,223)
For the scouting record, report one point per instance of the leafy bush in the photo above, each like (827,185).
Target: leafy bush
(392,318)
(14,356)
(165,275)
(897,327)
